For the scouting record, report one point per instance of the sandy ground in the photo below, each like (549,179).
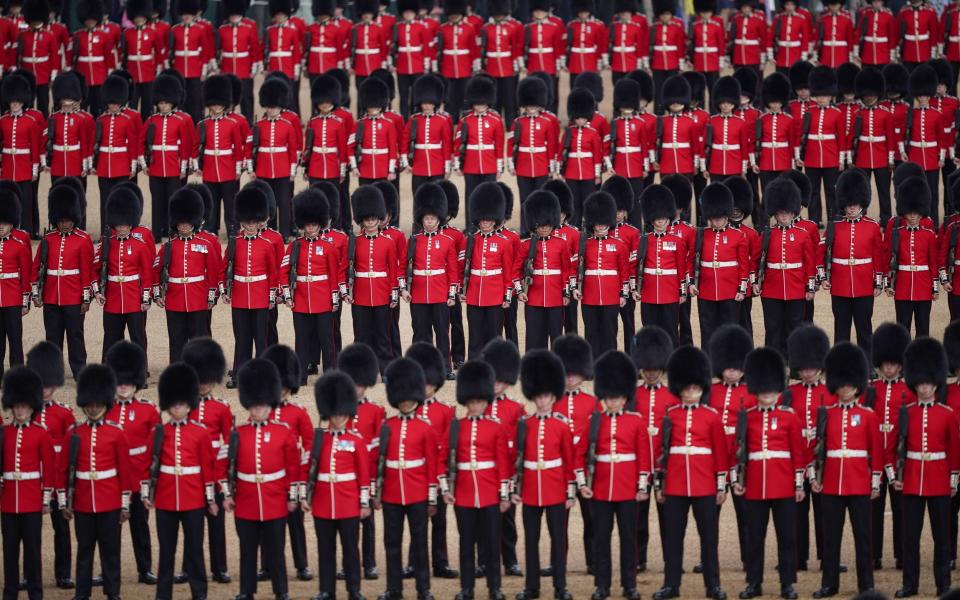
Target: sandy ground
(580,584)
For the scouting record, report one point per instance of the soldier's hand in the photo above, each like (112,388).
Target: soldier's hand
(365,512)
(635,295)
(432,510)
(37,301)
(213,509)
(100,299)
(304,506)
(226,299)
(738,489)
(798,163)
(144,307)
(755,169)
(658,496)
(515,498)
(721,498)
(348,299)
(291,505)
(706,174)
(505,505)
(940,162)
(229,504)
(46,509)
(816,487)
(799,495)
(809,296)
(826,285)
(586,492)
(84,307)
(566,301)
(159,301)
(504,305)
(394,303)
(693,291)
(569,503)
(947,287)
(890,292)
(289,303)
(447,498)
(355,172)
(936,295)
(577,295)
(376,504)
(391,176)
(643,496)
(24,310)
(147,504)
(623,301)
(756,289)
(523,297)
(740,297)
(903,157)
(66,513)
(253,175)
(124,515)
(897,485)
(874,493)
(451,302)
(654,166)
(405,295)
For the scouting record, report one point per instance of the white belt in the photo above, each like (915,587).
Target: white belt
(428,272)
(70,147)
(480,465)
(706,49)
(665,48)
(262,477)
(624,48)
(138,451)
(322,150)
(659,271)
(485,272)
(35,59)
(576,50)
(273,149)
(601,272)
(629,149)
(457,52)
(542,465)
(690,450)
(539,50)
(336,477)
(16,151)
(822,137)
(783,266)
(913,268)
(743,42)
(171,470)
(186,53)
(924,456)
(367,51)
(729,430)
(196,279)
(912,143)
(726,146)
(370,274)
(719,264)
(246,54)
(95,475)
(374,150)
(765,454)
(788,44)
(250,278)
(217,152)
(616,458)
(427,146)
(142,57)
(312,278)
(675,145)
(873,138)
(281,54)
(846,453)
(124,279)
(479,146)
(63,272)
(875,40)
(406,464)
(834,43)
(580,155)
(109,149)
(917,38)
(9,275)
(531,149)
(399,49)
(774,144)
(162,148)
(852,261)
(499,54)
(546,271)
(954,38)
(92,59)
(21,475)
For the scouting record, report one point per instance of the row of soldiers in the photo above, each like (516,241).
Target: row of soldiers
(696,427)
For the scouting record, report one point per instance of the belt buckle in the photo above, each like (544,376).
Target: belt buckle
(403,464)
(764,455)
(93,475)
(653,430)
(851,261)
(723,146)
(659,271)
(483,272)
(16,476)
(925,456)
(886,427)
(258,478)
(120,278)
(178,471)
(540,465)
(614,458)
(473,465)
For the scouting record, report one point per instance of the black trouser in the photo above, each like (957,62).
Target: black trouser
(106,185)
(369,543)
(557,526)
(298,541)
(453,98)
(526,186)
(60,321)
(227,192)
(417,180)
(741,526)
(43,99)
(143,98)
(349,531)
(216,539)
(474,524)
(95,106)
(470,182)
(757,516)
(586,512)
(635,217)
(828,177)
(676,511)
(643,529)
(484,324)
(314,340)
(600,326)
(629,319)
(878,508)
(664,316)
(713,314)
(114,325)
(22,529)
(29,221)
(510,331)
(393,517)
(882,178)
(458,349)
(249,331)
(570,321)
(766,178)
(686,329)
(506,103)
(856,311)
(98,531)
(371,326)
(429,320)
(438,540)
(580,188)
(11,329)
(544,325)
(270,537)
(346,220)
(938,509)
(780,318)
(62,549)
(183,326)
(168,531)
(273,336)
(283,191)
(915,312)
(933,180)
(603,514)
(246,99)
(803,525)
(659,77)
(140,533)
(746,314)
(834,513)
(194,98)
(405,95)
(396,346)
(161,189)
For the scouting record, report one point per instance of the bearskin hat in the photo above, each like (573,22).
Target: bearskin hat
(664,6)
(599,209)
(344,78)
(46,359)
(749,82)
(122,208)
(869,82)
(542,372)
(373,93)
(185,7)
(904,171)
(367,7)
(386,77)
(890,340)
(944,72)
(742,194)
(38,11)
(325,88)
(206,357)
(689,365)
(32,80)
(335,394)
(531,91)
(645,81)
(9,207)
(499,7)
(288,365)
(951,342)
(681,189)
(728,347)
(63,204)
(823,81)
(575,354)
(846,78)
(581,104)
(807,348)
(622,191)
(925,361)
(616,376)
(205,196)
(504,357)
(165,89)
(274,93)
(281,6)
(507,200)
(22,386)
(15,88)
(561,190)
(800,75)
(626,94)
(128,78)
(741,3)
(775,88)
(487,203)
(913,196)
(480,90)
(359,362)
(702,6)
(217,91)
(846,364)
(239,7)
(676,90)
(541,208)
(782,195)
(186,206)
(590,81)
(622,6)
(431,361)
(652,347)
(923,81)
(367,201)
(764,371)
(129,363)
(453,197)
(178,383)
(656,202)
(853,188)
(716,201)
(579,6)
(252,204)
(258,382)
(429,200)
(544,5)
(332,196)
(698,86)
(428,89)
(895,78)
(391,200)
(96,384)
(320,8)
(475,381)
(90,10)
(454,7)
(407,5)
(310,206)
(800,179)
(404,381)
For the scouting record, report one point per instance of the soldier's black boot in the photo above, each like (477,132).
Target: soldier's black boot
(445,572)
(787,592)
(666,592)
(825,592)
(751,591)
(717,593)
(528,595)
(600,594)
(905,593)
(497,595)
(563,594)
(631,594)
(464,595)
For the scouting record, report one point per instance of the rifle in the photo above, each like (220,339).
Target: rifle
(351,267)
(807,117)
(165,268)
(468,259)
(155,463)
(358,150)
(592,446)
(1,449)
(294,259)
(521,448)
(908,129)
(51,138)
(869,397)
(202,137)
(894,256)
(666,431)
(104,259)
(764,249)
(382,461)
(641,258)
(951,254)
(44,253)
(72,454)
(903,422)
(786,398)
(582,267)
(707,145)
(697,252)
(820,452)
(567,140)
(828,257)
(232,461)
(411,150)
(307,148)
(411,255)
(742,452)
(256,146)
(857,128)
(464,136)
(453,442)
(314,468)
(528,262)
(517,137)
(229,257)
(148,150)
(759,131)
(97,138)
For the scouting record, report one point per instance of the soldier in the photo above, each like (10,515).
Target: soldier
(777,139)
(917,22)
(70,131)
(15,263)
(426,142)
(693,473)
(478,139)
(369,45)
(144,52)
(376,151)
(97,480)
(822,142)
(533,141)
(459,55)
(457,342)
(727,149)
(667,47)
(340,240)
(571,235)
(925,139)
(629,41)
(748,37)
(682,192)
(502,56)
(391,200)
(29,468)
(241,52)
(221,152)
(410,54)
(39,50)
(838,39)
(546,49)
(678,150)
(630,143)
(116,145)
(325,154)
(620,190)
(92,51)
(544,261)
(193,47)
(878,33)
(790,37)
(21,135)
(895,79)
(706,51)
(278,138)
(874,146)
(581,151)
(664,268)
(771,459)
(743,206)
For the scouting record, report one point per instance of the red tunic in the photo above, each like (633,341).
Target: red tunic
(39,53)
(255,273)
(129,274)
(586,45)
(368,48)
(103,472)
(749,34)
(652,403)
(874,140)
(118,148)
(791,267)
(214,414)
(193,273)
(326,153)
(376,154)
(623,462)
(724,264)
(932,462)
(857,265)
(629,44)
(167,144)
(221,152)
(606,271)
(776,457)
(838,38)
(29,468)
(14,272)
(707,41)
(699,458)
(68,268)
(478,143)
(854,451)
(143,50)
(550,270)
(483,465)
(668,45)
(823,137)
(284,49)
(665,269)
(187,472)
(317,275)
(268,465)
(412,461)
(879,35)
(919,32)
(582,153)
(457,45)
(730,148)
(367,423)
(92,51)
(544,46)
(548,461)
(789,39)
(917,263)
(501,47)
(137,418)
(57,418)
(426,144)
(342,489)
(532,145)
(20,139)
(678,142)
(240,48)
